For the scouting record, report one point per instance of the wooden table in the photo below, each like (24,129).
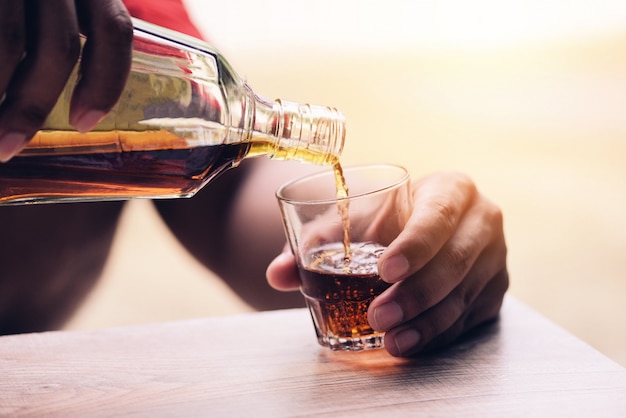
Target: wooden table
(269,364)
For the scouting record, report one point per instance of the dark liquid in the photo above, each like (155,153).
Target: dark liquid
(114,176)
(119,165)
(339,298)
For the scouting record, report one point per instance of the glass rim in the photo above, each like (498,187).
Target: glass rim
(350,168)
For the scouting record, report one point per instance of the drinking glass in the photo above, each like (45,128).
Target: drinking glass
(337,240)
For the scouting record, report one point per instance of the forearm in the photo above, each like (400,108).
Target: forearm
(51,256)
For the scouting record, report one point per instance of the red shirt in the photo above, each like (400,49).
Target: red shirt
(170,14)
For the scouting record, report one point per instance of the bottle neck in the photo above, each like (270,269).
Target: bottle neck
(293,131)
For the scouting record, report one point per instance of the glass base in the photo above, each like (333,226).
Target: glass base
(369,342)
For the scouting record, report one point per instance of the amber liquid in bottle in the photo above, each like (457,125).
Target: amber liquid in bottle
(128,164)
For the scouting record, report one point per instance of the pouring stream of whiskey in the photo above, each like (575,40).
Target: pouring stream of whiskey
(343,205)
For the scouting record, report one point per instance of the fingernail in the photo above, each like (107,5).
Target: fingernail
(394,269)
(387,315)
(86,121)
(11,144)
(406,340)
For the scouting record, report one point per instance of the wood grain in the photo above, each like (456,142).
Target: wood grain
(269,364)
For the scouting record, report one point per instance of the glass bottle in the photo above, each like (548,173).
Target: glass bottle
(184,117)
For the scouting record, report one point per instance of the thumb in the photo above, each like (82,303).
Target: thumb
(282,273)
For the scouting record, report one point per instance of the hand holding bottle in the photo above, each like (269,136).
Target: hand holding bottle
(41,51)
(448,268)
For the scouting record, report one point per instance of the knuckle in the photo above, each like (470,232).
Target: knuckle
(466,182)
(414,301)
(468,296)
(445,213)
(504,281)
(61,55)
(461,180)
(65,47)
(24,114)
(33,116)
(419,302)
(493,214)
(120,27)
(497,287)
(426,246)
(457,262)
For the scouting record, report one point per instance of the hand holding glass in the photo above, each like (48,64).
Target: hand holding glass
(337,242)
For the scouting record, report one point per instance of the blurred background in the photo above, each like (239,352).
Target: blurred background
(527,97)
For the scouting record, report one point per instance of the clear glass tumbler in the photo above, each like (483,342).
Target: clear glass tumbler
(337,242)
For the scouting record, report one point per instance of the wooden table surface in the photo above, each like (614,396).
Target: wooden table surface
(269,364)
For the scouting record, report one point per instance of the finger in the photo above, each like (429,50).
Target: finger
(105,63)
(282,273)
(12,40)
(52,49)
(439,204)
(474,254)
(448,320)
(12,49)
(486,308)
